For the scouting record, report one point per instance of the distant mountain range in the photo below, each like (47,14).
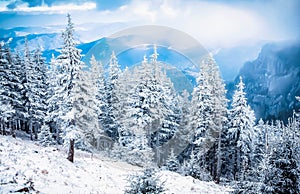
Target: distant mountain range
(272,79)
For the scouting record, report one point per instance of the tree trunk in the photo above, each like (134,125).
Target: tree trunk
(36,128)
(71,151)
(218,173)
(30,129)
(13,129)
(2,128)
(19,125)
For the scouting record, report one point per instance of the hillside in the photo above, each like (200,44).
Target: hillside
(25,164)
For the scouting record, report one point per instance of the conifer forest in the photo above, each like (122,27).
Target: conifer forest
(135,115)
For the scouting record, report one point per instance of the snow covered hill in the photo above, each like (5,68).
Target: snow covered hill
(26,165)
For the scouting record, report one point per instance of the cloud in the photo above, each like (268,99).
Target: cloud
(215,23)
(211,23)
(29,6)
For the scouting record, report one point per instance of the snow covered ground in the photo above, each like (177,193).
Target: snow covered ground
(25,164)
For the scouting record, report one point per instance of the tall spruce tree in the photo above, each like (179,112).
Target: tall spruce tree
(19,78)
(69,69)
(53,100)
(37,85)
(29,69)
(6,98)
(98,76)
(111,124)
(208,113)
(241,128)
(86,108)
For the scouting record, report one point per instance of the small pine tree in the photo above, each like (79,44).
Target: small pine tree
(192,168)
(172,163)
(45,136)
(145,183)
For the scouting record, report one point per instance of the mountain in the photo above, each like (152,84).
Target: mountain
(230,60)
(273,80)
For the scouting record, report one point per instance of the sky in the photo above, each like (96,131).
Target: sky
(214,23)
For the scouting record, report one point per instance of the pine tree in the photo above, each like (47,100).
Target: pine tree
(241,123)
(6,98)
(172,163)
(195,167)
(45,136)
(18,76)
(86,108)
(69,68)
(101,93)
(146,183)
(111,124)
(208,113)
(28,94)
(151,113)
(37,86)
(53,100)
(283,174)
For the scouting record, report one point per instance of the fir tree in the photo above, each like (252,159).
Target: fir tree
(6,98)
(241,123)
(172,163)
(69,68)
(208,113)
(37,86)
(53,100)
(101,93)
(45,136)
(145,183)
(86,108)
(111,124)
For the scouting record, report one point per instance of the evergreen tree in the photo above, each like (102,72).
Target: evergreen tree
(172,163)
(53,100)
(28,94)
(19,78)
(6,97)
(195,167)
(69,68)
(241,123)
(86,108)
(208,113)
(37,86)
(283,174)
(151,111)
(145,183)
(111,124)
(45,136)
(101,94)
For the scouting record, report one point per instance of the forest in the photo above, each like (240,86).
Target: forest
(149,124)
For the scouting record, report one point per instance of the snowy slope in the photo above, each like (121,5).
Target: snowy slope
(25,163)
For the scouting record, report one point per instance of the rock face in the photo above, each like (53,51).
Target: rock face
(273,80)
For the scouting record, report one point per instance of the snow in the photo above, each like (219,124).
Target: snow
(23,161)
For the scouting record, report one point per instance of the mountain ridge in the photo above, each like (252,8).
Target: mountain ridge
(272,80)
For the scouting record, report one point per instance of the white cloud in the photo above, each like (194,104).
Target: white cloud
(63,8)
(213,24)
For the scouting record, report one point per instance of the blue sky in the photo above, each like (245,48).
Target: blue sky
(216,23)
